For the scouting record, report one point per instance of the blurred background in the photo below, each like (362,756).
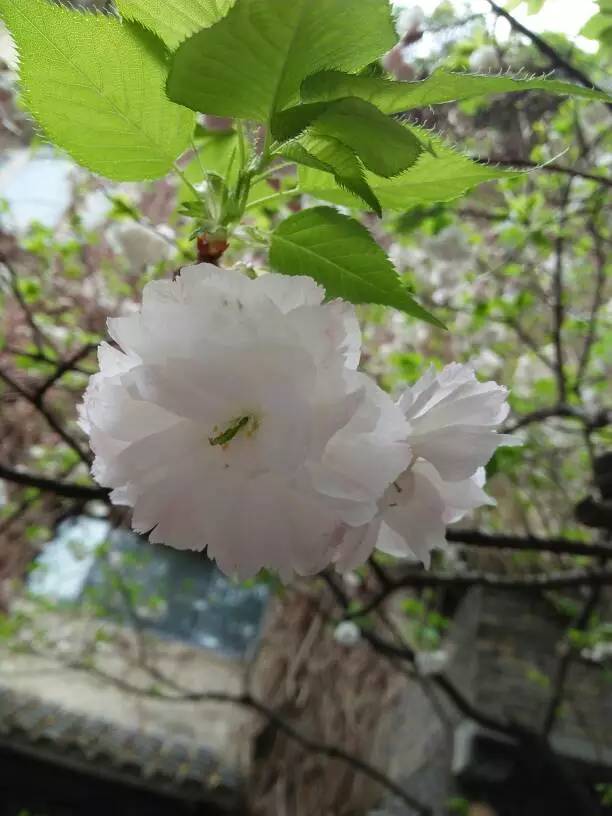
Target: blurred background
(138,678)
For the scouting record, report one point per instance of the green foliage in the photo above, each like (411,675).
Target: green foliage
(96,87)
(605,793)
(599,27)
(427,627)
(360,126)
(442,86)
(252,62)
(332,156)
(441,174)
(339,253)
(458,806)
(174,22)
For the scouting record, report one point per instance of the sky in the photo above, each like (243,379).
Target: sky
(566,16)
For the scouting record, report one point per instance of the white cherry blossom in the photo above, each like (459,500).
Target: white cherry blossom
(347,633)
(233,419)
(453,419)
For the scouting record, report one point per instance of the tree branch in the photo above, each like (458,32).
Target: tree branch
(558,296)
(593,422)
(565,662)
(547,168)
(598,299)
(44,411)
(63,368)
(534,582)
(63,489)
(557,59)
(246,700)
(560,546)
(406,653)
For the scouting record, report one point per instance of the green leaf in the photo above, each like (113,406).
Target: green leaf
(339,253)
(292,122)
(252,62)
(442,86)
(360,126)
(598,27)
(441,175)
(174,20)
(331,156)
(104,100)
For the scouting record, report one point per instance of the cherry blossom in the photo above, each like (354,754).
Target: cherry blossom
(232,418)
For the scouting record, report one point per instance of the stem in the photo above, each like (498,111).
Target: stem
(186,180)
(261,201)
(272,170)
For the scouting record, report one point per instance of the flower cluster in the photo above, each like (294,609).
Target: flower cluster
(230,415)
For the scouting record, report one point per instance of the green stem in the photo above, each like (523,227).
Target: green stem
(272,170)
(186,180)
(277,196)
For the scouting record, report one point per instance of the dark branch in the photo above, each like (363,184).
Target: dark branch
(560,546)
(592,422)
(70,364)
(246,700)
(44,411)
(63,489)
(598,300)
(558,297)
(565,662)
(39,337)
(547,168)
(407,654)
(534,581)
(557,59)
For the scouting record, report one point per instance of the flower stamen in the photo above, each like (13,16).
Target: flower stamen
(234,429)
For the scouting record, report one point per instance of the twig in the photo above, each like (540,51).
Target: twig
(547,168)
(408,654)
(545,48)
(598,298)
(560,546)
(40,339)
(44,411)
(597,421)
(64,489)
(558,296)
(565,662)
(68,365)
(537,582)
(246,700)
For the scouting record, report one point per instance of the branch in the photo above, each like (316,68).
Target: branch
(534,582)
(565,662)
(547,168)
(65,490)
(598,300)
(559,299)
(39,337)
(557,59)
(560,546)
(406,653)
(63,368)
(592,422)
(52,421)
(246,700)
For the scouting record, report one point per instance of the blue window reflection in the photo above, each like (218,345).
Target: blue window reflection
(117,575)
